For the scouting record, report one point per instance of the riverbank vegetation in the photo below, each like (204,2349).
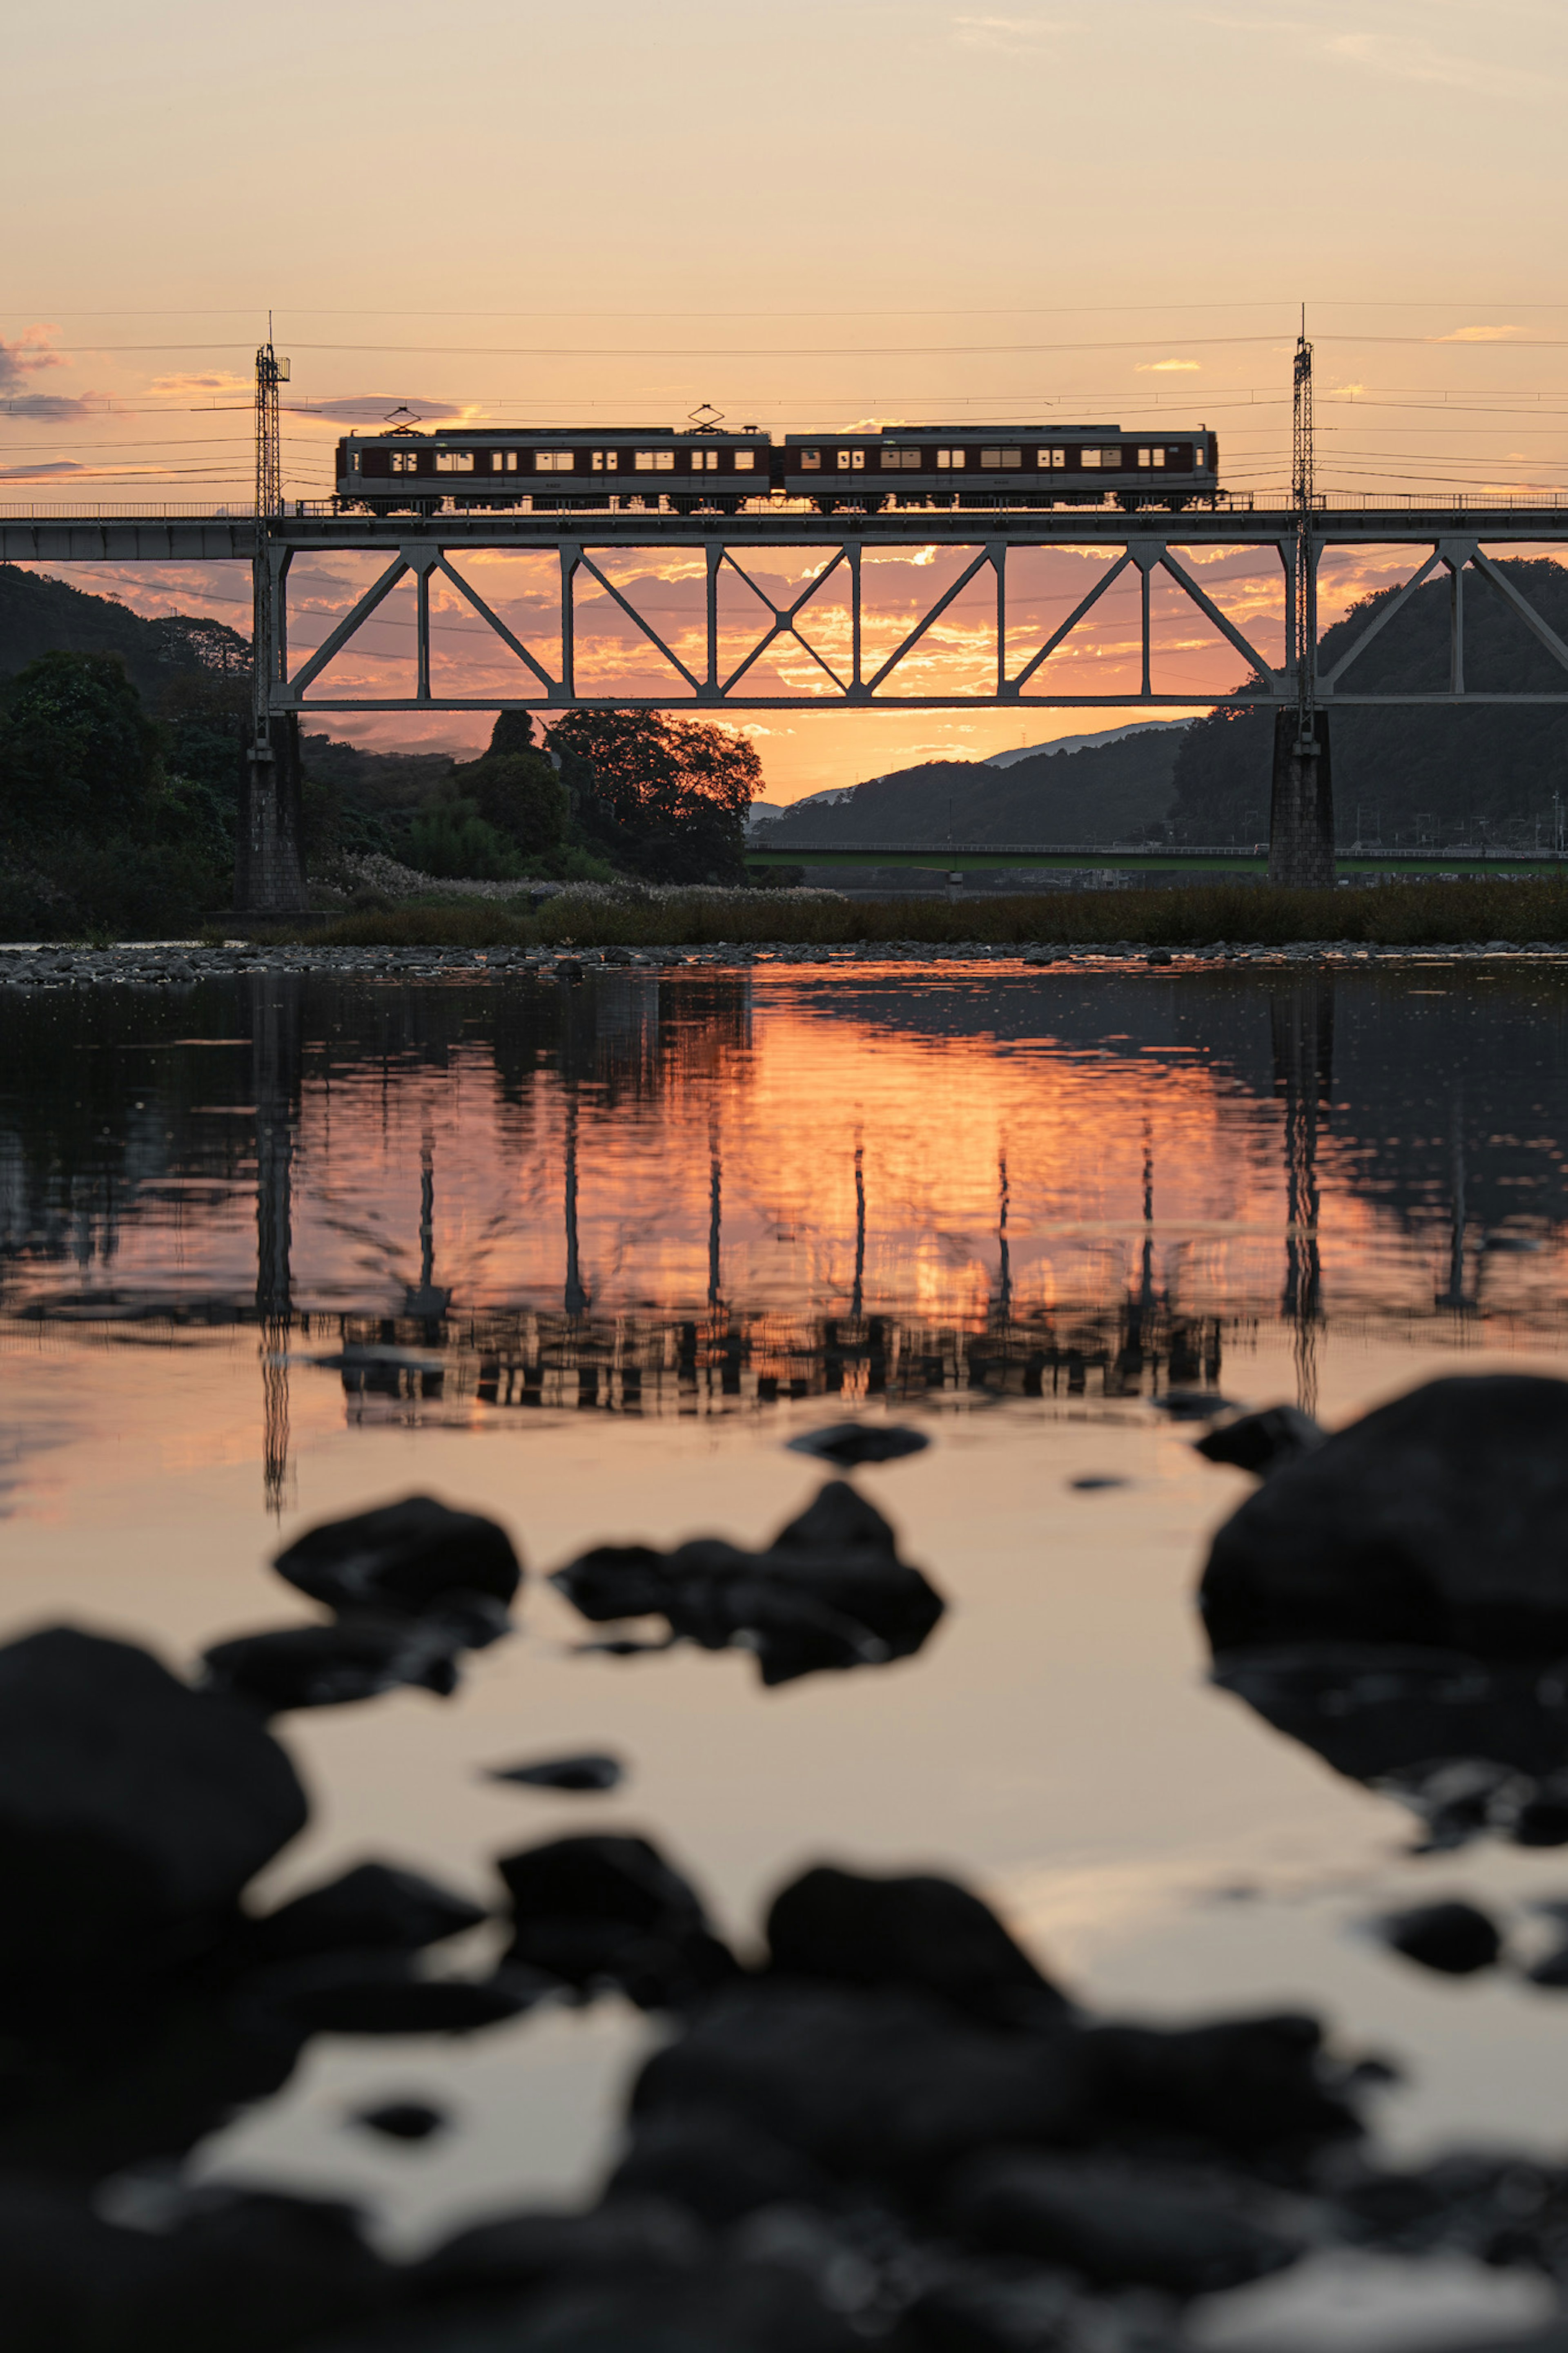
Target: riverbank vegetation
(1399,914)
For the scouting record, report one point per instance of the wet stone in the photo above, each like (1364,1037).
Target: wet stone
(1440,1519)
(1117,2226)
(405,1557)
(830,1592)
(1262,1442)
(404,2120)
(920,1931)
(1456,1938)
(330,1666)
(585,1774)
(132,1809)
(375,1905)
(850,1443)
(611,1911)
(884,2086)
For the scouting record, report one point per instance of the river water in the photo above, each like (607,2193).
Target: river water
(584,1257)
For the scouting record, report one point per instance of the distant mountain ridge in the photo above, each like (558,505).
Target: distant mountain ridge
(1113,787)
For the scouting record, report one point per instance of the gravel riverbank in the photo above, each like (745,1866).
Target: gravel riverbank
(174,963)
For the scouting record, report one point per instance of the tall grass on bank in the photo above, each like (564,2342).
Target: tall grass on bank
(1409,914)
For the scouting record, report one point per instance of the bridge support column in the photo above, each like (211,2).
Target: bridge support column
(269,850)
(1301,809)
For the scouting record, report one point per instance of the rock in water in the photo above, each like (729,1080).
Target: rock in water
(1441,1519)
(132,1807)
(830,1591)
(575,1773)
(329,1666)
(1262,1442)
(917,1931)
(408,2120)
(405,1557)
(374,1907)
(849,1443)
(1453,1937)
(884,2086)
(1115,2225)
(611,1911)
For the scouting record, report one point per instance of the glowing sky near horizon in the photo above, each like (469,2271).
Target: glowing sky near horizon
(844,213)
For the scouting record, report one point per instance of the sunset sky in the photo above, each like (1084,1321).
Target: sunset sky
(833,215)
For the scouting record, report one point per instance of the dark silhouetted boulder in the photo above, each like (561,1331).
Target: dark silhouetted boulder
(1453,1937)
(850,1443)
(718,2165)
(990,2305)
(1470,1745)
(409,2120)
(1440,1520)
(1246,2086)
(252,2272)
(381,1993)
(829,1592)
(374,1905)
(577,1773)
(514,2253)
(132,1809)
(888,2084)
(405,1557)
(610,1911)
(1262,1442)
(332,1666)
(1117,2226)
(920,1931)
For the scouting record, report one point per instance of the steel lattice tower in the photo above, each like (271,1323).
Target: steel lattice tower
(270,372)
(1303,497)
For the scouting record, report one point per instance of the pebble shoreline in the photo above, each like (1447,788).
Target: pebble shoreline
(158,964)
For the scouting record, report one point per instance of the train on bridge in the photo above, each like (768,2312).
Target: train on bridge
(706,468)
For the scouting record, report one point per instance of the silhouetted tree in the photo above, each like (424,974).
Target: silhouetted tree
(664,798)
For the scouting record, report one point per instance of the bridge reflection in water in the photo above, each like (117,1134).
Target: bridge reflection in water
(707,1195)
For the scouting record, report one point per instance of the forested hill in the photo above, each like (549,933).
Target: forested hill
(40,616)
(1106,792)
(1411,771)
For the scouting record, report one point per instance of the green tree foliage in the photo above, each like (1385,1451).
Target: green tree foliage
(454,841)
(520,794)
(77,751)
(664,798)
(95,834)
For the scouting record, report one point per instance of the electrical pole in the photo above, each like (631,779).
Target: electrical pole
(270,863)
(1302,815)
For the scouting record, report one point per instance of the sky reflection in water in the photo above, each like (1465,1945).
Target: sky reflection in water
(277,1248)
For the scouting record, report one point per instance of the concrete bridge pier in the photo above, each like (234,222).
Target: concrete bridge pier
(1301,807)
(269,851)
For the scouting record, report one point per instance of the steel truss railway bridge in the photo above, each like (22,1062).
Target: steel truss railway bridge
(1451,541)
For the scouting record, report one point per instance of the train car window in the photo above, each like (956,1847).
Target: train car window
(908,458)
(453,461)
(1050,457)
(851,460)
(351,461)
(1008,459)
(810,459)
(1102,458)
(1150,457)
(946,458)
(554,461)
(1200,458)
(654,461)
(605,461)
(745,461)
(406,461)
(704,461)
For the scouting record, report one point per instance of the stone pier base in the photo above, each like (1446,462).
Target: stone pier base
(1301,811)
(270,848)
